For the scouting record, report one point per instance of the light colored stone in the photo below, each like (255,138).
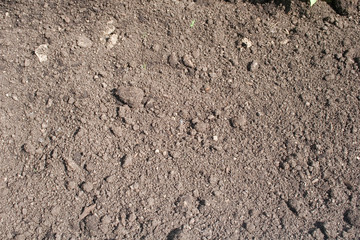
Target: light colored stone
(84,42)
(246,43)
(41,52)
(187,61)
(112,40)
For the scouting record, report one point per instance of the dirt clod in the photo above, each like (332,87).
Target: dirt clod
(71,185)
(238,121)
(177,234)
(29,148)
(352,217)
(249,227)
(173,60)
(188,62)
(92,225)
(253,66)
(201,126)
(87,186)
(126,161)
(132,96)
(117,131)
(84,42)
(295,206)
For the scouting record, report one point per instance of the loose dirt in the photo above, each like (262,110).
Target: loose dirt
(179,119)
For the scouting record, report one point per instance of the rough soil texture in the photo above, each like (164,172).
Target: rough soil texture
(179,120)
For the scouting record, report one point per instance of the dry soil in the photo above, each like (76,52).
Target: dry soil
(179,119)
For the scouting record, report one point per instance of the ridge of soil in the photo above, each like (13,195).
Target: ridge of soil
(179,120)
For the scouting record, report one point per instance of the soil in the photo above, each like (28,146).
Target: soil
(179,119)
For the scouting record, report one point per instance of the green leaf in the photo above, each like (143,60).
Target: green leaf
(312,2)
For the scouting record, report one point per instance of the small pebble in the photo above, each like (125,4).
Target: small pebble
(29,148)
(117,131)
(26,62)
(329,77)
(132,96)
(249,227)
(110,179)
(84,42)
(71,185)
(294,206)
(90,167)
(196,53)
(150,201)
(106,219)
(109,29)
(112,41)
(66,18)
(41,52)
(238,122)
(317,234)
(201,127)
(173,61)
(352,217)
(24,211)
(246,43)
(253,66)
(87,186)
(91,223)
(71,100)
(213,180)
(187,61)
(156,47)
(127,161)
(217,193)
(174,154)
(56,210)
(136,127)
(234,61)
(49,102)
(132,217)
(207,88)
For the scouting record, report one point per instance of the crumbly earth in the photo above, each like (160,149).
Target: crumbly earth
(179,119)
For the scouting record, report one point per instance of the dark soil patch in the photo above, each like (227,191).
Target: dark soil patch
(179,120)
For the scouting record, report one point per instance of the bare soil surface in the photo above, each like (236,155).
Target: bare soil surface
(179,119)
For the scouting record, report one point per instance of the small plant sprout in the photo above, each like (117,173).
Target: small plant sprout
(312,2)
(192,23)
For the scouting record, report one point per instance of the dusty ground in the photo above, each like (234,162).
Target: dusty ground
(179,120)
